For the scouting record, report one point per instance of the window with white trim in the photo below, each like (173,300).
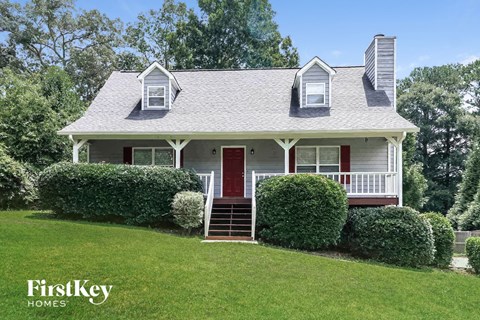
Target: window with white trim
(316,159)
(315,94)
(155,97)
(153,157)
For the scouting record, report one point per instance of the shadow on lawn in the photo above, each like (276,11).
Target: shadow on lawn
(164,227)
(343,255)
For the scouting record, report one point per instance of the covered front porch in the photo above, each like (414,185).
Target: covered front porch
(367,165)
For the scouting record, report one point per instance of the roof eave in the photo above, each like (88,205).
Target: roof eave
(359,131)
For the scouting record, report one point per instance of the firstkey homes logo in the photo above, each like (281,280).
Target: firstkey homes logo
(96,294)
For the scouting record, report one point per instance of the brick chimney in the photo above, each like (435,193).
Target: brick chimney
(380,59)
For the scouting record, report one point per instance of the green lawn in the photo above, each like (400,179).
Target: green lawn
(162,276)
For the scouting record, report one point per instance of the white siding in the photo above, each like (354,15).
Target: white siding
(156,78)
(268,157)
(315,75)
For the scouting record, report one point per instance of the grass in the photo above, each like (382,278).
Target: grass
(163,276)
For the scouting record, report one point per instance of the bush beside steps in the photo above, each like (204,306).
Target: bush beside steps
(187,209)
(302,211)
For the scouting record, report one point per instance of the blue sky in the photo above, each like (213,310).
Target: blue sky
(429,32)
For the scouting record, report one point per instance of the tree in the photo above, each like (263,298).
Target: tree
(49,33)
(443,141)
(229,34)
(414,183)
(153,35)
(472,80)
(32,109)
(468,187)
(243,33)
(16,186)
(130,61)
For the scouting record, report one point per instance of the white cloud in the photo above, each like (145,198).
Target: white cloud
(336,53)
(424,57)
(466,59)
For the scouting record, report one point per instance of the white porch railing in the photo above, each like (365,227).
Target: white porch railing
(209,191)
(205,178)
(254,204)
(355,183)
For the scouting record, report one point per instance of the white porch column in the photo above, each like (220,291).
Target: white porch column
(178,145)
(286,144)
(77,144)
(400,170)
(397,142)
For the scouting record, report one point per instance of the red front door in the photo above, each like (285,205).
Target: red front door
(233,172)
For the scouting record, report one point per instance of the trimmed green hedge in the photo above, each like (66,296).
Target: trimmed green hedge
(302,211)
(135,194)
(391,234)
(472,247)
(443,238)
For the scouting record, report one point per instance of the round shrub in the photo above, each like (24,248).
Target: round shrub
(443,238)
(135,194)
(302,211)
(187,209)
(391,234)
(16,186)
(472,248)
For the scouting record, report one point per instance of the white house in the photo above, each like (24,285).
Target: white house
(236,127)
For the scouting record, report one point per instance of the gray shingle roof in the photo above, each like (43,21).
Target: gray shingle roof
(239,101)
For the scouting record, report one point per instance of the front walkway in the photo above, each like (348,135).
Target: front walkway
(460,263)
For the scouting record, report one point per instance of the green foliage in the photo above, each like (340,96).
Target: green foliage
(470,219)
(472,80)
(390,234)
(139,195)
(468,187)
(187,209)
(130,61)
(301,211)
(16,185)
(153,35)
(443,237)
(432,99)
(32,109)
(414,186)
(229,34)
(47,33)
(472,248)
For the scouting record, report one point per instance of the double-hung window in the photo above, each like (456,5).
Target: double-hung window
(316,159)
(155,97)
(315,94)
(153,157)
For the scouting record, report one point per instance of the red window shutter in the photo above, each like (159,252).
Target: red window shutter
(345,162)
(127,155)
(181,158)
(291,157)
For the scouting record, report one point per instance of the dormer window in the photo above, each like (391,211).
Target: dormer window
(156,97)
(315,94)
